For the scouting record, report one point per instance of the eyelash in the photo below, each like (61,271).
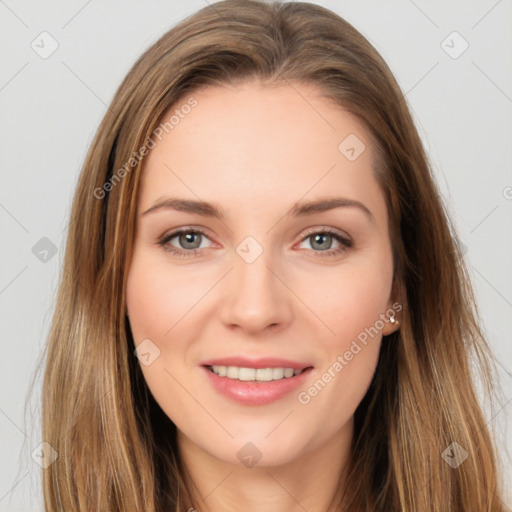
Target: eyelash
(346,243)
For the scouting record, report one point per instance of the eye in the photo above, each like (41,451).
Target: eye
(189,239)
(323,240)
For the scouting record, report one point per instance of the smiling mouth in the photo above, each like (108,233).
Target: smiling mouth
(255,374)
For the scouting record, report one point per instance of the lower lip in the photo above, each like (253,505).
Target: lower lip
(256,393)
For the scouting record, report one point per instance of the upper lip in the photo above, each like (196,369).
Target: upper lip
(262,362)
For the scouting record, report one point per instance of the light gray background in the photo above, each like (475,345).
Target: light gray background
(50,109)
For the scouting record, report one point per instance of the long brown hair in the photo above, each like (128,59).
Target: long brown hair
(117,449)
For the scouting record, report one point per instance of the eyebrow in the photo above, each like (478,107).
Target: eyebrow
(298,209)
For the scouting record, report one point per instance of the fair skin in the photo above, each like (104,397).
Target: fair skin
(255,150)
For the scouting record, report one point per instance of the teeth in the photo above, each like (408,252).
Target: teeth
(253,374)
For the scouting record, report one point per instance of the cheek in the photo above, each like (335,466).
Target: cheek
(154,308)
(351,299)
(163,303)
(155,297)
(144,301)
(351,305)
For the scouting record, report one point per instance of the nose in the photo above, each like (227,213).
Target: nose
(256,297)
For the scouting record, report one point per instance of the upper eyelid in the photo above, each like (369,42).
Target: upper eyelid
(330,230)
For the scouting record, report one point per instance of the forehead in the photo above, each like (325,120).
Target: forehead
(269,143)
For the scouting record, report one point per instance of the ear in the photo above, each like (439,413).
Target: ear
(394,309)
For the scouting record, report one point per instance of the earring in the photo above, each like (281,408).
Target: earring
(393,320)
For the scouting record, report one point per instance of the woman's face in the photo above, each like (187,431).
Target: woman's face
(272,276)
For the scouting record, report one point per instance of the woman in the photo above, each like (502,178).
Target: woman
(258,369)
